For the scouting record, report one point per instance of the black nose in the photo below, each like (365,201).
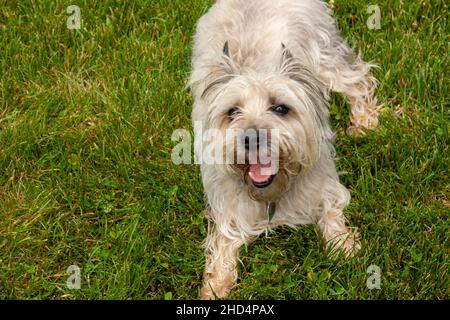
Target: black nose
(251,140)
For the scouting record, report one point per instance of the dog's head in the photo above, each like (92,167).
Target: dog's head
(276,121)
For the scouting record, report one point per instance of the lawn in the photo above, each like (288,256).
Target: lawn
(86,176)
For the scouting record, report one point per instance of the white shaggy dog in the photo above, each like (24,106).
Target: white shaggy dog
(270,65)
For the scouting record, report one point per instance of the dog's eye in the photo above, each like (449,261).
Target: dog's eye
(280,109)
(233,112)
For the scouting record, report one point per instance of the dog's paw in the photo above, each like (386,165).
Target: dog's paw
(347,244)
(212,290)
(362,122)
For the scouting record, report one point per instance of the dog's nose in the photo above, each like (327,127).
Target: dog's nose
(251,140)
(254,145)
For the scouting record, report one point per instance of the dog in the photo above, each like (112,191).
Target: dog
(269,66)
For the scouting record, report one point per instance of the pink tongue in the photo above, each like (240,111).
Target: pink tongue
(256,172)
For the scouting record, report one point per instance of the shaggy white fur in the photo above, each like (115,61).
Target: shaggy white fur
(252,55)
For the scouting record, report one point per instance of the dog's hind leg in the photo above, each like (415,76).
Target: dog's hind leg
(221,264)
(349,75)
(363,103)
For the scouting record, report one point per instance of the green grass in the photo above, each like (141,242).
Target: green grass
(86,177)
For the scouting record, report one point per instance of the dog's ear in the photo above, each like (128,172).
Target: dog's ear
(226,49)
(295,70)
(292,67)
(222,73)
(286,54)
(228,64)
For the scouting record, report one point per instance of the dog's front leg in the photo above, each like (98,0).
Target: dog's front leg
(337,235)
(221,264)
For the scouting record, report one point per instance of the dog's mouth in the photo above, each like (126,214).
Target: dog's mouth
(261,175)
(265,182)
